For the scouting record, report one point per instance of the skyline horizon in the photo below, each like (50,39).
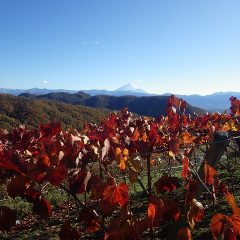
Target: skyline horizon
(135,86)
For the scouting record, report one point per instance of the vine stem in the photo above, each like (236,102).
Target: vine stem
(93,213)
(149,179)
(149,183)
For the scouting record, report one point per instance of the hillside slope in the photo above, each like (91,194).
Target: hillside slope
(33,112)
(152,106)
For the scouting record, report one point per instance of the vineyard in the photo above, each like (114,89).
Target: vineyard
(171,177)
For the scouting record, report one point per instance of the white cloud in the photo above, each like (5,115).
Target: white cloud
(90,43)
(45,82)
(3,80)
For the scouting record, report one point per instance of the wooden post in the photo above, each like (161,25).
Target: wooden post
(213,155)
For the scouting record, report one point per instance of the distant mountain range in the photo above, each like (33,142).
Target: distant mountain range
(218,101)
(36,91)
(127,89)
(153,106)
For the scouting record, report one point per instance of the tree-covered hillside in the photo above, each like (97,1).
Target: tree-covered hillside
(33,112)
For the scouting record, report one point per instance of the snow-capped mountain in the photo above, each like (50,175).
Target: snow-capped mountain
(130,88)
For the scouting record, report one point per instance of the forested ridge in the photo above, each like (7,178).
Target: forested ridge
(15,111)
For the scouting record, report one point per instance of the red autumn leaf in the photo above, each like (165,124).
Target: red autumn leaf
(229,234)
(184,234)
(7,163)
(116,194)
(210,173)
(166,183)
(192,189)
(235,222)
(92,226)
(51,129)
(171,211)
(153,134)
(151,212)
(31,194)
(183,105)
(160,209)
(78,184)
(235,106)
(69,233)
(164,210)
(173,101)
(91,222)
(56,175)
(7,218)
(217,224)
(17,186)
(174,145)
(231,200)
(97,187)
(105,208)
(42,207)
(185,162)
(37,175)
(43,162)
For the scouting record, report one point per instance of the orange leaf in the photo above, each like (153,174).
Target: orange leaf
(136,135)
(122,165)
(116,194)
(217,225)
(235,221)
(210,173)
(152,162)
(125,152)
(187,138)
(118,151)
(151,212)
(184,234)
(231,200)
(144,137)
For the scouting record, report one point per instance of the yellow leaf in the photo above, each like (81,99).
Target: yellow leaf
(118,151)
(171,154)
(125,152)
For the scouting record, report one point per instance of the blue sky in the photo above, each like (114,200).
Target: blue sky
(178,46)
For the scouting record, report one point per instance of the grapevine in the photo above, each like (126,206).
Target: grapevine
(98,166)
